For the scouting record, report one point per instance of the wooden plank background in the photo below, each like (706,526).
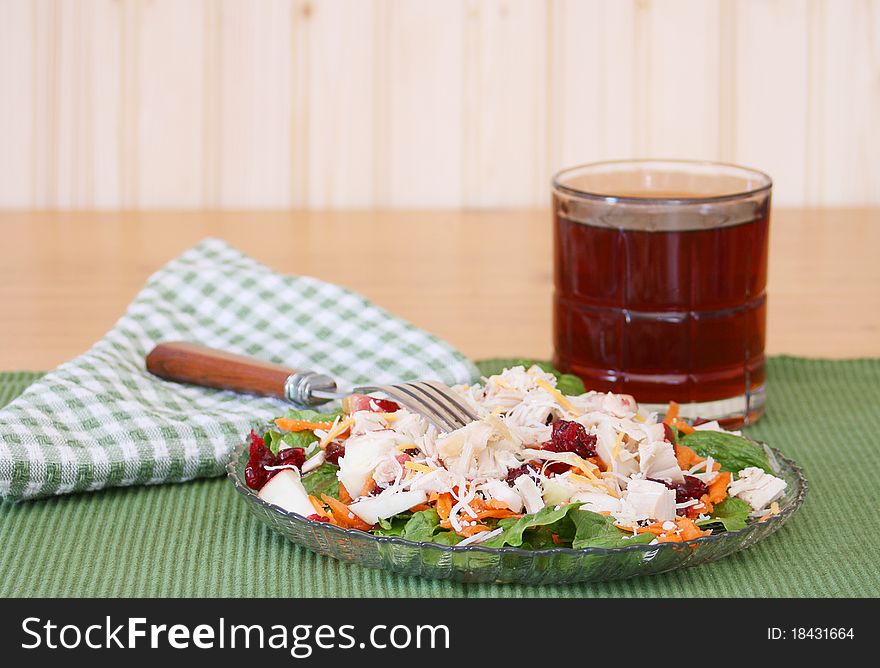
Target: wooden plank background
(424,103)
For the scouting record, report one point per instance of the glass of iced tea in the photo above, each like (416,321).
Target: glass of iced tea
(660,276)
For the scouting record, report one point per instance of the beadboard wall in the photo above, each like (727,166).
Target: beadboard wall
(425,103)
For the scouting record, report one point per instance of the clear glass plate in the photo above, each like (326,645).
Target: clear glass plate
(474,563)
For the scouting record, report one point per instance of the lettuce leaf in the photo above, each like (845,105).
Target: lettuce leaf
(422,526)
(297,439)
(734,453)
(392,526)
(554,518)
(447,538)
(595,530)
(732,513)
(308,415)
(322,480)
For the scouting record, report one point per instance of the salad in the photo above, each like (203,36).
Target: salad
(545,465)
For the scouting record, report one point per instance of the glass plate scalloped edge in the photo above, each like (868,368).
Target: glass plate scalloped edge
(474,563)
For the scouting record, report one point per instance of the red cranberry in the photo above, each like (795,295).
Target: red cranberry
(691,488)
(363,402)
(556,468)
(317,518)
(698,421)
(669,434)
(333,452)
(569,436)
(255,473)
(513,474)
(386,405)
(294,456)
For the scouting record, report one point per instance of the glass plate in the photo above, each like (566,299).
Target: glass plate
(474,563)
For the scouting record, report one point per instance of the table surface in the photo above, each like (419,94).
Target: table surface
(481,280)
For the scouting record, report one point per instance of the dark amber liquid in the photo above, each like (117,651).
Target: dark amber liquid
(662,315)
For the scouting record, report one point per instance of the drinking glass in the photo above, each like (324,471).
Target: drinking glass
(660,283)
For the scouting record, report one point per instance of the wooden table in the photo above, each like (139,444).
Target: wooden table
(481,280)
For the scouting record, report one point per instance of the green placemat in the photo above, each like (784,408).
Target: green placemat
(197,539)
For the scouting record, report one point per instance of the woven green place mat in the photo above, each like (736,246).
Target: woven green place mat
(197,539)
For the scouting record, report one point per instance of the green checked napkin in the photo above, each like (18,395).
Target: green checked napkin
(101,420)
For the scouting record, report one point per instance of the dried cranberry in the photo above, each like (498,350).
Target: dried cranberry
(569,436)
(255,473)
(691,488)
(557,467)
(333,452)
(317,518)
(363,402)
(386,405)
(698,421)
(669,434)
(294,456)
(513,474)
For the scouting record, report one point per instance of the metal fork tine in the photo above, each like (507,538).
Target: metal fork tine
(416,404)
(449,395)
(430,395)
(428,402)
(454,410)
(431,399)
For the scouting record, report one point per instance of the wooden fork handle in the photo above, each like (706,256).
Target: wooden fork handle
(191,363)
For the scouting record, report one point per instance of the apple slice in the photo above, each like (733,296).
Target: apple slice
(388,504)
(286,491)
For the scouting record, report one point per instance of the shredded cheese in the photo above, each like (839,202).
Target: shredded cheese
(339,426)
(413,466)
(556,394)
(617,443)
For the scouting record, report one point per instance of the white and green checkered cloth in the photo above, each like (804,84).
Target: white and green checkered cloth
(101,420)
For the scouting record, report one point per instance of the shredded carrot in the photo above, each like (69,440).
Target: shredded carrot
(683,426)
(671,413)
(317,505)
(469,530)
(689,530)
(343,515)
(444,505)
(369,484)
(289,424)
(705,507)
(685,529)
(496,513)
(419,507)
(344,496)
(718,487)
(686,457)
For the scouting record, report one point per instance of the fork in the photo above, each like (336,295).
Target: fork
(195,364)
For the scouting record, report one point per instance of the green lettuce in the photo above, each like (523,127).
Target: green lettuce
(734,453)
(732,513)
(297,439)
(422,526)
(447,538)
(322,480)
(552,519)
(595,530)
